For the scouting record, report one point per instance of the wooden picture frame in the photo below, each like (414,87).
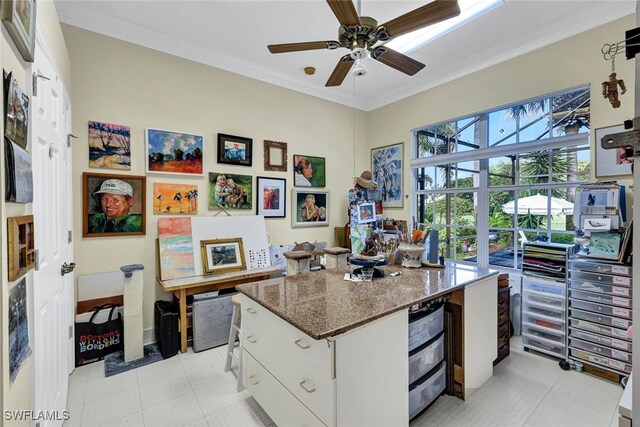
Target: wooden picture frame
(611,162)
(386,168)
(272,197)
(21,245)
(310,208)
(275,156)
(19,17)
(309,171)
(222,255)
(174,152)
(113,205)
(235,150)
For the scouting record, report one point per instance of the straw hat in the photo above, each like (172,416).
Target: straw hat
(365,180)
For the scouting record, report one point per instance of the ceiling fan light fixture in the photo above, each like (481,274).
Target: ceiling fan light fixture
(359,69)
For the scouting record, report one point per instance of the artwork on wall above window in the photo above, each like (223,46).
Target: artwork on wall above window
(109,146)
(19,17)
(175,199)
(16,121)
(386,166)
(235,150)
(271,197)
(310,208)
(174,152)
(230,191)
(113,205)
(308,171)
(275,156)
(611,162)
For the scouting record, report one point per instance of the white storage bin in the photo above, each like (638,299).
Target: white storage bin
(545,299)
(583,285)
(600,329)
(542,310)
(548,288)
(547,337)
(602,278)
(600,349)
(425,359)
(542,345)
(422,329)
(601,298)
(548,323)
(601,340)
(600,318)
(426,392)
(601,308)
(600,360)
(601,267)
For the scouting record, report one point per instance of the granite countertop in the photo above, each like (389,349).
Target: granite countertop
(323,304)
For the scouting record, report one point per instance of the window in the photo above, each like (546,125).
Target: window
(503,177)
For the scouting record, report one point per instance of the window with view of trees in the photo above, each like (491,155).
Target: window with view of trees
(492,181)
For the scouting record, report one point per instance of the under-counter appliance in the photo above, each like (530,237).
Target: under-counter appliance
(211,321)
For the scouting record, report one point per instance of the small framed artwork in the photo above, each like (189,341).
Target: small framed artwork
(308,171)
(19,17)
(271,197)
(612,162)
(386,168)
(222,255)
(234,150)
(21,243)
(174,152)
(230,191)
(175,199)
(366,213)
(109,146)
(16,121)
(275,156)
(310,208)
(113,205)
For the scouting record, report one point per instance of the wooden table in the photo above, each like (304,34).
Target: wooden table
(183,287)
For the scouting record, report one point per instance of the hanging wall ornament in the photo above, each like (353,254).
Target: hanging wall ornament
(610,87)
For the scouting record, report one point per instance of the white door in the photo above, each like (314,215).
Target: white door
(52,297)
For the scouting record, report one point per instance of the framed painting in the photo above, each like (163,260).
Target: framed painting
(174,152)
(271,197)
(308,171)
(109,146)
(234,150)
(222,255)
(19,17)
(16,121)
(310,208)
(366,213)
(275,156)
(230,191)
(613,162)
(386,168)
(113,205)
(175,199)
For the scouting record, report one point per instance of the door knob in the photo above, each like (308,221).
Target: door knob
(67,268)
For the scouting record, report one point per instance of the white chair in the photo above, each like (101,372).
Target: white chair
(234,333)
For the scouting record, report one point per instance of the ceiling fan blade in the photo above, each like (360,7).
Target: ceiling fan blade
(345,11)
(429,14)
(297,47)
(341,71)
(397,60)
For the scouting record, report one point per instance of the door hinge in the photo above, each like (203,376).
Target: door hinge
(70,331)
(36,258)
(70,238)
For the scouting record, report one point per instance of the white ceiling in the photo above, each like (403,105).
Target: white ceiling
(233,35)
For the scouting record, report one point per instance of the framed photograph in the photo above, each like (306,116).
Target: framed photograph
(113,205)
(222,255)
(175,199)
(230,191)
(386,168)
(611,162)
(275,156)
(271,197)
(234,150)
(109,146)
(16,121)
(366,213)
(310,208)
(308,171)
(174,152)
(19,17)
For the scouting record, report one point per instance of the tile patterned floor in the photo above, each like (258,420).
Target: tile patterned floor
(191,389)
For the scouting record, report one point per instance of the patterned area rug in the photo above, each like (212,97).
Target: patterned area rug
(114,363)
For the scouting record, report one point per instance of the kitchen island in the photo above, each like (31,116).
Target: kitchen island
(319,350)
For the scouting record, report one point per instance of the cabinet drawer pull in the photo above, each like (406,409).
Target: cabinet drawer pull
(306,388)
(251,310)
(253,380)
(251,339)
(301,344)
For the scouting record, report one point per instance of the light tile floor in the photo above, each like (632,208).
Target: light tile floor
(191,389)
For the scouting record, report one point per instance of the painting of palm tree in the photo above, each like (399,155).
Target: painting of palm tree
(171,199)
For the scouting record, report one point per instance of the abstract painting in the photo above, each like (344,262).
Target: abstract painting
(109,146)
(19,348)
(174,152)
(386,167)
(172,199)
(175,248)
(230,191)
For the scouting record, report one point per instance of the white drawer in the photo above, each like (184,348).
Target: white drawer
(317,353)
(601,298)
(313,388)
(600,329)
(601,308)
(282,406)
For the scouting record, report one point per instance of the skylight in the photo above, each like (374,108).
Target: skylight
(469,9)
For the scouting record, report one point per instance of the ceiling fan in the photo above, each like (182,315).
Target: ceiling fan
(361,35)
